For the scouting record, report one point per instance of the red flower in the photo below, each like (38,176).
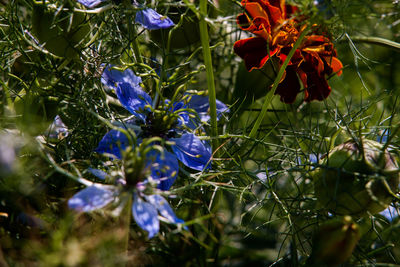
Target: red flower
(277,29)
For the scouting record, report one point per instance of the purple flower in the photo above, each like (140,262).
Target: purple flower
(57,130)
(147,17)
(145,208)
(91,3)
(145,213)
(201,105)
(111,76)
(390,213)
(167,123)
(93,197)
(151,20)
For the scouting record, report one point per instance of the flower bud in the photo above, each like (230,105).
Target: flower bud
(335,241)
(356,179)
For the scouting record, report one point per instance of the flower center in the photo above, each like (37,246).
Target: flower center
(285,34)
(160,124)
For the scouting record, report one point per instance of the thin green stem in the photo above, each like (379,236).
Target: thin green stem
(209,70)
(7,95)
(46,155)
(377,41)
(139,60)
(126,223)
(94,37)
(271,93)
(135,47)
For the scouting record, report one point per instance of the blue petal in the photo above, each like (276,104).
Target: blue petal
(164,208)
(145,216)
(57,129)
(192,152)
(390,213)
(313,158)
(113,143)
(382,138)
(183,114)
(164,168)
(179,107)
(262,176)
(151,20)
(91,3)
(111,77)
(91,198)
(176,106)
(133,98)
(98,173)
(221,108)
(201,105)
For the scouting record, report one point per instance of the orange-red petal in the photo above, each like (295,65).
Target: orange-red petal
(254,52)
(302,76)
(263,28)
(255,10)
(289,87)
(335,64)
(275,14)
(243,21)
(317,87)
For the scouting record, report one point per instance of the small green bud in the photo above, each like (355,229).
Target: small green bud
(356,180)
(335,241)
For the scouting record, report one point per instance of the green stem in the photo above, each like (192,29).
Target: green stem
(377,41)
(205,43)
(271,93)
(209,70)
(94,37)
(126,223)
(139,60)
(135,47)
(7,96)
(46,155)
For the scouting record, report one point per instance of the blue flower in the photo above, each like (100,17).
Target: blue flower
(167,124)
(151,20)
(164,166)
(390,213)
(57,130)
(201,105)
(93,197)
(145,208)
(111,76)
(145,213)
(313,158)
(91,3)
(147,17)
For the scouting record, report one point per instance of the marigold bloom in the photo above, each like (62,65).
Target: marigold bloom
(277,29)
